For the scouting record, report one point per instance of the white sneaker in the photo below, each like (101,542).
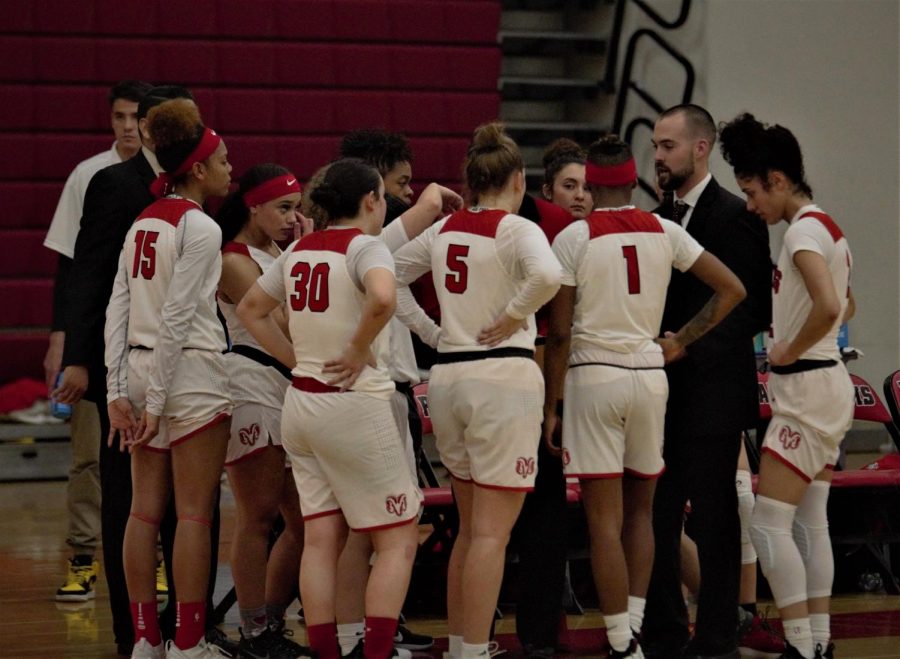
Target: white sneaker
(143,650)
(202,650)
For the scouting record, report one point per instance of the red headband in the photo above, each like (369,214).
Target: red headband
(209,142)
(271,189)
(611,177)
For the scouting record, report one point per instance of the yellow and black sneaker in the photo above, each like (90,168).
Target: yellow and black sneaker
(162,582)
(80,580)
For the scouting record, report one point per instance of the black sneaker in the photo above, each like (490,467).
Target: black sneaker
(215,636)
(790,652)
(827,653)
(358,653)
(633,650)
(403,638)
(272,644)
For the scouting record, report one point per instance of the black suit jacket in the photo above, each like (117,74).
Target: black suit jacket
(115,197)
(713,389)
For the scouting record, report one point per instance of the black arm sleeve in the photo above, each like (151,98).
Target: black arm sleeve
(60,292)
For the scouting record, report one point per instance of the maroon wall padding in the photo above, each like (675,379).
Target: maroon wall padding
(22,354)
(26,302)
(281,80)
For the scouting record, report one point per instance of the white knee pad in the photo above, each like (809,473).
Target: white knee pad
(811,535)
(746,501)
(779,558)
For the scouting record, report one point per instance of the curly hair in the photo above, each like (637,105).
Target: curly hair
(234,214)
(754,149)
(560,153)
(379,148)
(492,157)
(176,129)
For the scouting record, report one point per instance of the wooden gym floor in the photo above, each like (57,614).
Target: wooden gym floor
(32,624)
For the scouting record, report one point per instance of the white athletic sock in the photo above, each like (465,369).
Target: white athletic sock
(349,635)
(821,628)
(455,646)
(798,633)
(474,651)
(618,630)
(636,607)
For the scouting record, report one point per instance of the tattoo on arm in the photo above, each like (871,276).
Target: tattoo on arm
(707,318)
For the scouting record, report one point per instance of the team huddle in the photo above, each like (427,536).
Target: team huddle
(291,370)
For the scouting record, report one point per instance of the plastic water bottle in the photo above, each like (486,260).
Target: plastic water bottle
(57,409)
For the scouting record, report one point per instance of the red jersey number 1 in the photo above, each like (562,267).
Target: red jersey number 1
(457,281)
(629,253)
(144,254)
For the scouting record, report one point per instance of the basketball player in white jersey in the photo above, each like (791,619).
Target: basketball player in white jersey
(812,394)
(492,270)
(353,567)
(604,324)
(260,212)
(348,457)
(165,366)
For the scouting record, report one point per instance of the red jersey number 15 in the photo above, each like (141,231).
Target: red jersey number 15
(144,254)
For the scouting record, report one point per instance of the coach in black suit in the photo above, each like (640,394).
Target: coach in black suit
(712,396)
(115,196)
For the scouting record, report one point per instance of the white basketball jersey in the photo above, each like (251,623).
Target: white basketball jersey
(473,287)
(236,330)
(159,241)
(325,307)
(620,261)
(810,230)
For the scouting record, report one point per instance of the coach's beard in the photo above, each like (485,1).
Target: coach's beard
(669,181)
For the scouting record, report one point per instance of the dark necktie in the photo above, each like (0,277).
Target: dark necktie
(679,210)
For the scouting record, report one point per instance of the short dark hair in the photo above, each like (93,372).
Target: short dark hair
(754,149)
(160,94)
(379,148)
(344,185)
(129,90)
(609,151)
(698,119)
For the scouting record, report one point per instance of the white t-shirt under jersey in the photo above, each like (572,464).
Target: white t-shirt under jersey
(484,262)
(810,230)
(620,260)
(321,277)
(164,295)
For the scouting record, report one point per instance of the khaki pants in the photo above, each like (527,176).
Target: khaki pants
(83,492)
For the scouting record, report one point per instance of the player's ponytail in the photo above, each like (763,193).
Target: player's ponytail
(492,158)
(754,149)
(344,185)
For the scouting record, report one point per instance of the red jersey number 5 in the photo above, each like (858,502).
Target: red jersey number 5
(457,281)
(310,286)
(144,254)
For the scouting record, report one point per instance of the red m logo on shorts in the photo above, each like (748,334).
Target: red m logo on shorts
(790,439)
(396,504)
(524,467)
(249,435)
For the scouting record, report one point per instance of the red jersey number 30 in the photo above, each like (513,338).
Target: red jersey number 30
(144,254)
(310,286)
(457,280)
